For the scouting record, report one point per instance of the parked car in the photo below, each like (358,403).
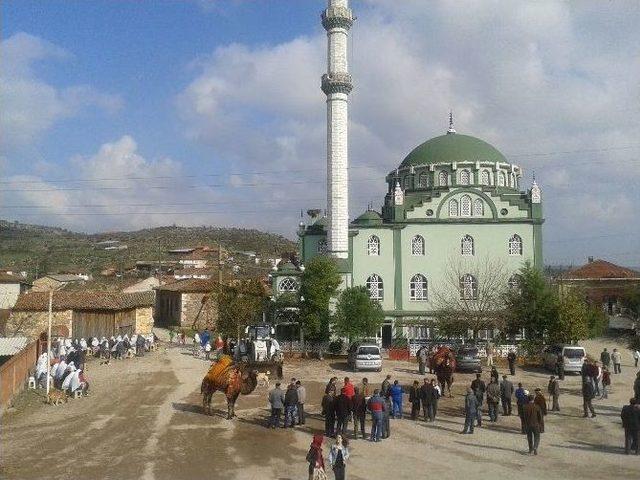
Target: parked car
(364,356)
(573,356)
(468,359)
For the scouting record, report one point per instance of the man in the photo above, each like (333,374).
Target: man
(506,394)
(415,395)
(532,420)
(429,397)
(606,381)
(479,388)
(489,354)
(636,388)
(422,359)
(302,398)
(276,399)
(493,399)
(329,412)
(560,366)
(541,402)
(616,357)
(630,416)
(605,358)
(494,373)
(521,400)
(205,337)
(470,407)
(511,358)
(554,392)
(348,388)
(636,357)
(343,412)
(396,396)
(290,404)
(588,393)
(365,388)
(376,406)
(386,415)
(384,388)
(359,406)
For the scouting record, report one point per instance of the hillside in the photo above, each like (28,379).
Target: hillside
(39,249)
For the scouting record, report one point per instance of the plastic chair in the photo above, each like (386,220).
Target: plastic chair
(32,383)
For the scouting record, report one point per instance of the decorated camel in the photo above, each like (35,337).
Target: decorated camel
(231,379)
(444,364)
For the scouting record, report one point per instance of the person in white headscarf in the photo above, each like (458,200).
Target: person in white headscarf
(62,349)
(62,367)
(83,344)
(41,369)
(67,381)
(67,343)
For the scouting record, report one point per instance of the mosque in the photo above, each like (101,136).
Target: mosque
(453,200)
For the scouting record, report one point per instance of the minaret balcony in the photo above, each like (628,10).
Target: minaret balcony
(337,17)
(336,82)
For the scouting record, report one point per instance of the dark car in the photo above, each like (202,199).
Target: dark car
(467,359)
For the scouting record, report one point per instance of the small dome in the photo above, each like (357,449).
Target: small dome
(369,218)
(452,147)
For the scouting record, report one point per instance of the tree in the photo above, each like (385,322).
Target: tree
(320,282)
(631,301)
(572,320)
(357,315)
(239,305)
(472,297)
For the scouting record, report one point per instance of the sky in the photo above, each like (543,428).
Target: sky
(119,115)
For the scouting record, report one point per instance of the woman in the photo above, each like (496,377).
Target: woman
(338,456)
(314,457)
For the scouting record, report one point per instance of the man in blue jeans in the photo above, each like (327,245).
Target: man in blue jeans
(376,406)
(396,396)
(470,410)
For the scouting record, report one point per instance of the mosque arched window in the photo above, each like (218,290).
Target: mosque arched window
(443,178)
(465,206)
(373,246)
(478,208)
(501,179)
(322,246)
(515,245)
(287,284)
(453,207)
(418,287)
(468,287)
(375,287)
(484,177)
(466,246)
(423,180)
(465,177)
(417,245)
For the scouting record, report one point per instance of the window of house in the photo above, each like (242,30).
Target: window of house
(287,285)
(465,177)
(322,246)
(407,182)
(453,207)
(443,178)
(478,208)
(484,177)
(515,245)
(423,180)
(501,179)
(375,287)
(466,246)
(468,287)
(418,287)
(465,206)
(417,245)
(373,246)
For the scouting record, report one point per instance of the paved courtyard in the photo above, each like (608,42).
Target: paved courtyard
(143,420)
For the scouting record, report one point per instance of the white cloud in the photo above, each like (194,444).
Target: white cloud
(30,105)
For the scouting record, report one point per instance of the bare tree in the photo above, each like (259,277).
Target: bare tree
(471,296)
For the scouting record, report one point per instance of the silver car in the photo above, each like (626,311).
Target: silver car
(573,357)
(364,356)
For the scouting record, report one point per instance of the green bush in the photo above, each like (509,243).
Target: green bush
(634,342)
(335,346)
(399,342)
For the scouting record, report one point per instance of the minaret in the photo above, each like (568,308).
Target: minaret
(336,84)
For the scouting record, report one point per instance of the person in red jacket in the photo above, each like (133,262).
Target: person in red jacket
(348,388)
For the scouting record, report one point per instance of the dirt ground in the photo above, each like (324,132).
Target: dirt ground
(143,420)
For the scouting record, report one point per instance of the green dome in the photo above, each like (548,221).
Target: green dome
(369,218)
(452,147)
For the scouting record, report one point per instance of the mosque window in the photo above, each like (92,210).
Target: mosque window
(407,182)
(468,287)
(484,177)
(423,180)
(515,245)
(465,177)
(453,207)
(322,246)
(418,288)
(375,287)
(373,246)
(417,245)
(513,180)
(478,208)
(465,206)
(287,285)
(501,179)
(443,178)
(514,282)
(466,246)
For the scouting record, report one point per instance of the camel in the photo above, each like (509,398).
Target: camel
(444,360)
(231,379)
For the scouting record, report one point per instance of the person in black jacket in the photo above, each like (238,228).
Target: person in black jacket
(511,358)
(479,387)
(343,413)
(630,416)
(290,405)
(329,412)
(415,395)
(588,393)
(359,406)
(430,400)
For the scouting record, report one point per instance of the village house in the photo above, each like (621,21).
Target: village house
(81,314)
(58,281)
(186,303)
(11,286)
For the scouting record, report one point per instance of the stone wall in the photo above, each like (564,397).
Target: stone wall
(194,310)
(9,294)
(32,324)
(144,320)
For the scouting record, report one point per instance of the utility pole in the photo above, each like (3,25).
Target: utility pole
(49,340)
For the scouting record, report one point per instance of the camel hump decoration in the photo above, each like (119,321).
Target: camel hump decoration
(231,379)
(444,364)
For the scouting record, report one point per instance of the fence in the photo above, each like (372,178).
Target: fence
(498,350)
(15,372)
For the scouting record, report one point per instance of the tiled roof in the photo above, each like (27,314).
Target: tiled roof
(84,300)
(190,285)
(9,346)
(65,277)
(9,278)
(600,269)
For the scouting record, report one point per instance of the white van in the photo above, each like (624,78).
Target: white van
(573,356)
(364,356)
